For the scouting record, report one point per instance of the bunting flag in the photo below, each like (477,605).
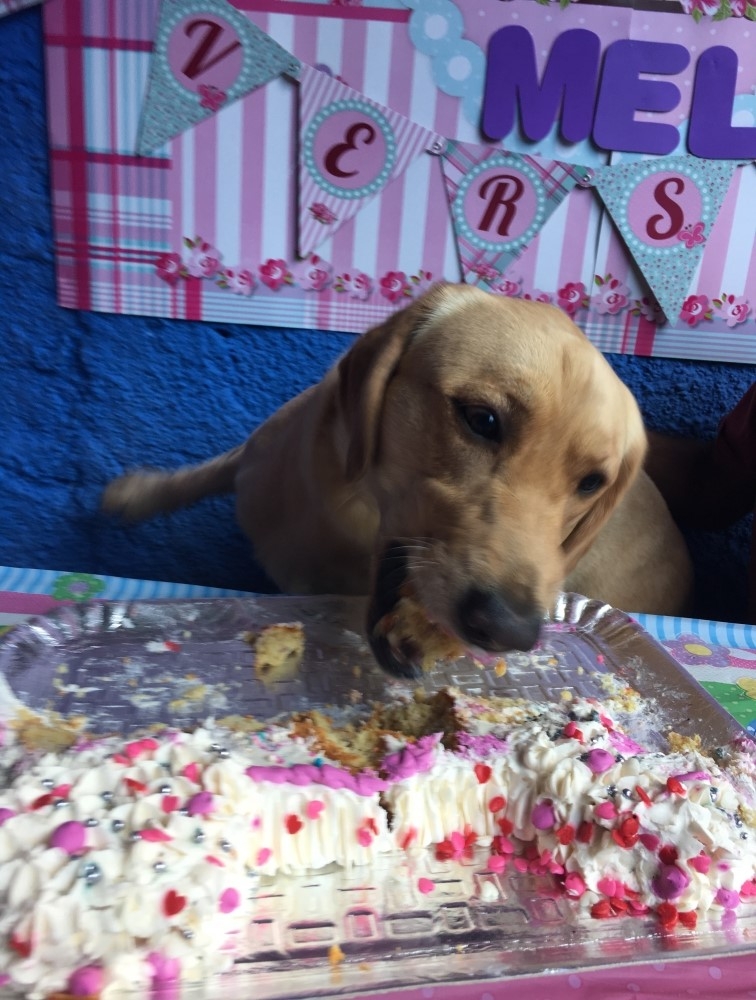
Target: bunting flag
(205,56)
(350,148)
(664,209)
(499,202)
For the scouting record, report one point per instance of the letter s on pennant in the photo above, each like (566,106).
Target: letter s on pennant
(675,216)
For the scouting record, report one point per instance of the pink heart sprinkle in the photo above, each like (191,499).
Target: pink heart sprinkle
(191,771)
(605,810)
(650,841)
(155,835)
(364,837)
(608,886)
(701,863)
(229,900)
(425,885)
(314,808)
(497,863)
(263,855)
(574,885)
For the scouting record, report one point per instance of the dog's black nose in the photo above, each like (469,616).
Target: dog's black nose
(497,624)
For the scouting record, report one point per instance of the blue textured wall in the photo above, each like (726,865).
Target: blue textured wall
(84,396)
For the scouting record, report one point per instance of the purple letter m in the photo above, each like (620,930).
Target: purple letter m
(569,81)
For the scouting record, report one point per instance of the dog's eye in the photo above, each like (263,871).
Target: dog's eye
(590,483)
(482,421)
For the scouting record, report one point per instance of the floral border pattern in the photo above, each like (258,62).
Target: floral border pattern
(609,296)
(717,10)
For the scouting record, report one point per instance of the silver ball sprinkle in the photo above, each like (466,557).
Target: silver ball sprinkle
(225,845)
(713,792)
(215,747)
(164,789)
(187,934)
(744,835)
(107,796)
(60,803)
(47,783)
(117,825)
(159,867)
(91,821)
(627,793)
(223,753)
(738,821)
(198,836)
(183,811)
(91,873)
(134,836)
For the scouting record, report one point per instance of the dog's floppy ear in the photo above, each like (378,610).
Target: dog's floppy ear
(366,369)
(583,534)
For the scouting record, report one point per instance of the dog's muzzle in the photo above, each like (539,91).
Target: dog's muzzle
(486,621)
(392,574)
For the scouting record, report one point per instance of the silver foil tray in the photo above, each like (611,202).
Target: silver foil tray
(99,660)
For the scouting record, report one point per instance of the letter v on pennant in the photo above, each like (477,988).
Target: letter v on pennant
(206,54)
(664,209)
(499,202)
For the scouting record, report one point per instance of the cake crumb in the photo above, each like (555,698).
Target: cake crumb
(335,955)
(279,651)
(681,744)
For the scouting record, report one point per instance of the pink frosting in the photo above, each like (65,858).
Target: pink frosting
(412,759)
(623,744)
(6,814)
(365,784)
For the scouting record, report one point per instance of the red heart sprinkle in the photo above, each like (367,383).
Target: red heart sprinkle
(675,787)
(293,823)
(173,903)
(482,772)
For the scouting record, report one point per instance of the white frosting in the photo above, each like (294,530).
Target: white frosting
(168,836)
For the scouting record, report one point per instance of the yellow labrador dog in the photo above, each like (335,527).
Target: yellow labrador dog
(475,449)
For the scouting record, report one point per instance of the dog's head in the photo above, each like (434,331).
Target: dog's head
(496,441)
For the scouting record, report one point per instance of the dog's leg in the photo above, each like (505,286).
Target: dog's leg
(145,492)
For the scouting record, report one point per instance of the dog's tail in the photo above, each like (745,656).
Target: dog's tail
(144,493)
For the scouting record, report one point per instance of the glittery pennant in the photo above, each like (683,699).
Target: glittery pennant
(499,202)
(664,210)
(350,149)
(206,55)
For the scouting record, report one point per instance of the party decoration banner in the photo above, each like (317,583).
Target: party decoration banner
(665,209)
(350,148)
(319,164)
(206,55)
(499,203)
